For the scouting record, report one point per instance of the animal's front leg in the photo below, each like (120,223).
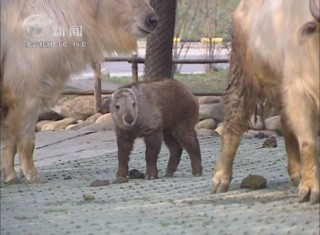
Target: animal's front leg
(153,145)
(125,146)
(30,172)
(8,151)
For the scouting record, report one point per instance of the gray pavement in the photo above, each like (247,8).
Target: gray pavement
(71,160)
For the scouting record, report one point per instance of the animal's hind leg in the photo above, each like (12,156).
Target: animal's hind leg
(292,148)
(188,139)
(175,154)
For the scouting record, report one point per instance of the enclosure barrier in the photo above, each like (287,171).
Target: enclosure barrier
(134,60)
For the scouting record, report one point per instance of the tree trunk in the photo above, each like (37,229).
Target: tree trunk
(158,63)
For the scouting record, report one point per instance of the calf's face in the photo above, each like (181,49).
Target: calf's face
(124,108)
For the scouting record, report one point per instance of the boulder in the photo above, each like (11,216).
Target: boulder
(59,125)
(50,115)
(214,111)
(105,118)
(209,99)
(40,124)
(207,123)
(97,127)
(205,132)
(78,126)
(93,118)
(219,129)
(273,123)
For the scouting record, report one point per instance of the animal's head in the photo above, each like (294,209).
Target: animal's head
(311,26)
(124,108)
(126,20)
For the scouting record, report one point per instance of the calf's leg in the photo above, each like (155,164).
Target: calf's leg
(175,154)
(153,146)
(188,139)
(125,146)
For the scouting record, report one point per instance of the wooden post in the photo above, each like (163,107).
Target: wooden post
(97,85)
(134,67)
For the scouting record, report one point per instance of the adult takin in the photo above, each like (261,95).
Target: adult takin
(275,57)
(157,111)
(43,42)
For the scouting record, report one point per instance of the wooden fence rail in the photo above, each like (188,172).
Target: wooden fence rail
(134,60)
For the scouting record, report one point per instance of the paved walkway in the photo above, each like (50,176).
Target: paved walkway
(179,205)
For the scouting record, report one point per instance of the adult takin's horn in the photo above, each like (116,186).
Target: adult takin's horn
(315,11)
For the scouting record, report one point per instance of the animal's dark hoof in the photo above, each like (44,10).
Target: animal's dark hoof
(147,177)
(169,174)
(120,180)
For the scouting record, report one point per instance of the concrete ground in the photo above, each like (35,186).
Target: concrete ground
(72,160)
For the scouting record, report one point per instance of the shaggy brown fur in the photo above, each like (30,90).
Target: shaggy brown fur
(34,76)
(270,61)
(159,110)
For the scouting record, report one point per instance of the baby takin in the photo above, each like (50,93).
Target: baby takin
(155,111)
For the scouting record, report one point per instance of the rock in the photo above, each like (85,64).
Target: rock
(96,127)
(100,183)
(105,103)
(88,197)
(78,126)
(205,132)
(135,174)
(40,124)
(256,123)
(219,129)
(271,142)
(249,134)
(50,115)
(273,123)
(105,118)
(80,107)
(58,125)
(93,118)
(254,182)
(209,99)
(214,111)
(265,134)
(207,123)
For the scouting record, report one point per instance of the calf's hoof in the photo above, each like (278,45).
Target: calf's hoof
(120,180)
(150,177)
(197,172)
(168,174)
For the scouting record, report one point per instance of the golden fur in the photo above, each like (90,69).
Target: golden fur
(34,76)
(273,59)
